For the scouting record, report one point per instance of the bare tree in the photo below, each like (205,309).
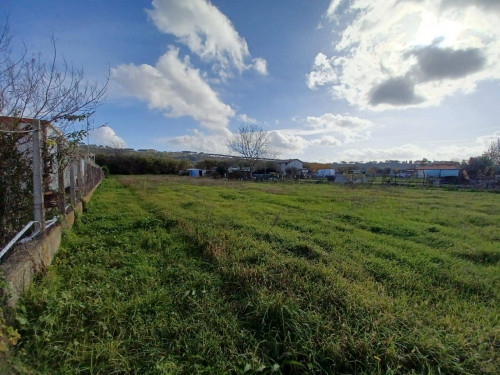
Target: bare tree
(252,142)
(55,92)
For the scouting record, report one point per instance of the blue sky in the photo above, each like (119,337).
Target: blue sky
(330,80)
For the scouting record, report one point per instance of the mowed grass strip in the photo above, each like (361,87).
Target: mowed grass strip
(171,275)
(124,295)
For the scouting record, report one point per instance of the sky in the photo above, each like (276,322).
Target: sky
(339,80)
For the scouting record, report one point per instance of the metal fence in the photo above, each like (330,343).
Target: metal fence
(40,182)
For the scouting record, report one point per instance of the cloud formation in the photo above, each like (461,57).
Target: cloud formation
(344,129)
(434,63)
(324,131)
(287,143)
(396,54)
(176,88)
(106,136)
(323,72)
(199,141)
(246,119)
(312,132)
(395,91)
(432,150)
(206,31)
(486,4)
(260,65)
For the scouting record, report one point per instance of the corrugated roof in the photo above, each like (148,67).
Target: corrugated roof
(440,167)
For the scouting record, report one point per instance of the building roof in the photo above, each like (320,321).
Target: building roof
(286,160)
(454,166)
(8,120)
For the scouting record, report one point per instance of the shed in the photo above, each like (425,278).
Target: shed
(439,170)
(195,172)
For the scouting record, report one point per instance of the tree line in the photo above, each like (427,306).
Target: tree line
(487,164)
(136,163)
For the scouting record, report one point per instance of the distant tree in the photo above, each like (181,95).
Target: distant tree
(293,172)
(134,163)
(348,168)
(222,167)
(252,142)
(314,167)
(479,166)
(493,152)
(206,164)
(270,166)
(373,171)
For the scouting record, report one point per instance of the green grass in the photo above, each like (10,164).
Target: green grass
(175,275)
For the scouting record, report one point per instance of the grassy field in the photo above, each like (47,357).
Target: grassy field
(168,275)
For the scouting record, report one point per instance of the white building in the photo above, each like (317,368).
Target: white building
(289,164)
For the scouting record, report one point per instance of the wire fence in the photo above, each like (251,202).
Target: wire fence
(42,176)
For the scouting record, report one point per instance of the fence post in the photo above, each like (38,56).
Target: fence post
(80,180)
(38,205)
(61,204)
(91,176)
(72,187)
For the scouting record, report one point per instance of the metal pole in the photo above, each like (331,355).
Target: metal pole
(60,181)
(72,187)
(37,177)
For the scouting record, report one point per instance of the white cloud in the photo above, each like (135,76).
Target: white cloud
(107,137)
(323,72)
(345,129)
(327,140)
(198,141)
(246,119)
(206,31)
(487,140)
(325,131)
(403,152)
(260,65)
(396,54)
(330,12)
(432,150)
(331,121)
(176,88)
(287,143)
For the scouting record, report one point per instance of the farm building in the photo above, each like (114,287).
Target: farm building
(439,170)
